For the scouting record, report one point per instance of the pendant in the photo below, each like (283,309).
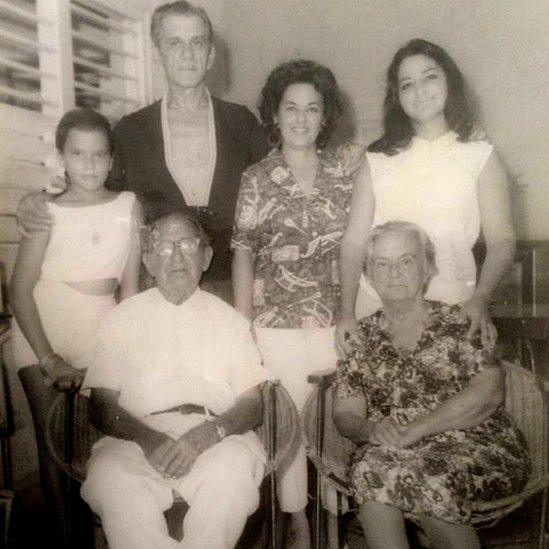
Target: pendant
(95,239)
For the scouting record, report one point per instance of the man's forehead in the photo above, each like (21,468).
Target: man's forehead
(174,228)
(178,24)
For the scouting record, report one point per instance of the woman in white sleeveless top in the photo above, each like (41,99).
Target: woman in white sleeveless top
(431,167)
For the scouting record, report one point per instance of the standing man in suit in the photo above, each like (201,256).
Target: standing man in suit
(187,150)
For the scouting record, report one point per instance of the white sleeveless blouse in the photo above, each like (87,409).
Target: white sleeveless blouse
(434,184)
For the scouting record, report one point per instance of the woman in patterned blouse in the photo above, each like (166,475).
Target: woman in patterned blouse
(290,217)
(423,403)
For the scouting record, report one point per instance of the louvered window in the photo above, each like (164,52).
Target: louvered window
(101,66)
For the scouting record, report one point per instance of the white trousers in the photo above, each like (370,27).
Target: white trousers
(222,490)
(293,354)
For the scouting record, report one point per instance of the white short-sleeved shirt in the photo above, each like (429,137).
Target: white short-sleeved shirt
(434,184)
(159,355)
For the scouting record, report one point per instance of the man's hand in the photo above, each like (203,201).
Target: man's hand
(476,310)
(346,331)
(180,457)
(33,215)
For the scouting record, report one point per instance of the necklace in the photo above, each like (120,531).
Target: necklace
(95,225)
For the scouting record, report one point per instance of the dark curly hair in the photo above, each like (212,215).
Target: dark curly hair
(82,119)
(398,129)
(299,71)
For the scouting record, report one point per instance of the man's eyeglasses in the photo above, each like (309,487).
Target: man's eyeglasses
(166,248)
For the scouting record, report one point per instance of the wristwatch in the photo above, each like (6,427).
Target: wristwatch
(221,432)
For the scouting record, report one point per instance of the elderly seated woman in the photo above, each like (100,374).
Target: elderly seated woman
(424,406)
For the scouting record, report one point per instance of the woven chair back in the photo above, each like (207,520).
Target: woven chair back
(524,400)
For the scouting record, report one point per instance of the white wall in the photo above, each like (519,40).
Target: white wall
(502,46)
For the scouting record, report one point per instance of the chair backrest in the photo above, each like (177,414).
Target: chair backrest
(70,442)
(280,425)
(526,401)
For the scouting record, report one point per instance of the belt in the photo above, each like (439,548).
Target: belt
(187,409)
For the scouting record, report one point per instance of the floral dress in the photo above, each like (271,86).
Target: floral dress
(295,239)
(441,475)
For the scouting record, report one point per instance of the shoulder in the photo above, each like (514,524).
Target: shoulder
(126,197)
(135,120)
(266,166)
(221,314)
(233,111)
(474,152)
(130,309)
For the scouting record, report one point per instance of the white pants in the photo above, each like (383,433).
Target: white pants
(222,490)
(70,320)
(293,354)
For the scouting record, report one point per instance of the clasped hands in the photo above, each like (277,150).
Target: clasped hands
(175,458)
(388,432)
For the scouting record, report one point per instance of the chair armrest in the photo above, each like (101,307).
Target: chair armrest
(322,378)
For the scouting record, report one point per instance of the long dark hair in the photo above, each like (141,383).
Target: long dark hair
(299,71)
(398,128)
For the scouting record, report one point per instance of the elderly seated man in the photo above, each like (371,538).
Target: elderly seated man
(175,386)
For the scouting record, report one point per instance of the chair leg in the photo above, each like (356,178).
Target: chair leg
(543,520)
(321,412)
(272,426)
(69,454)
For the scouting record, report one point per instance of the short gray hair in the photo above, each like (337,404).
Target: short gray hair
(425,242)
(180,7)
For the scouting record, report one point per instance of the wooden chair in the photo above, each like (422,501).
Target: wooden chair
(6,430)
(70,437)
(526,399)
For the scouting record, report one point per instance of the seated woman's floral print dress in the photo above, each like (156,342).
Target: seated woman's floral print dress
(441,475)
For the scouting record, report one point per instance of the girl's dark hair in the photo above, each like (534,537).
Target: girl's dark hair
(82,119)
(398,129)
(299,71)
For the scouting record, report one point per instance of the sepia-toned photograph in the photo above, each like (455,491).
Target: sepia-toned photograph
(274,274)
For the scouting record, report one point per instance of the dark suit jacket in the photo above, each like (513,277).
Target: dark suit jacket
(140,166)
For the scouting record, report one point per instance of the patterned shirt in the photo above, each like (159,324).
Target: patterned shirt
(295,239)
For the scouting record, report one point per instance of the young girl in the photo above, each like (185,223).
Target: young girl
(64,279)
(432,168)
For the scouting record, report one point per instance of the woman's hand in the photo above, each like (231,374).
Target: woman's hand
(346,331)
(476,311)
(61,374)
(387,432)
(410,434)
(350,155)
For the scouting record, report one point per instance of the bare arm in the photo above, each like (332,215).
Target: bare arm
(113,420)
(466,409)
(243,281)
(349,415)
(23,280)
(129,284)
(497,227)
(246,414)
(351,256)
